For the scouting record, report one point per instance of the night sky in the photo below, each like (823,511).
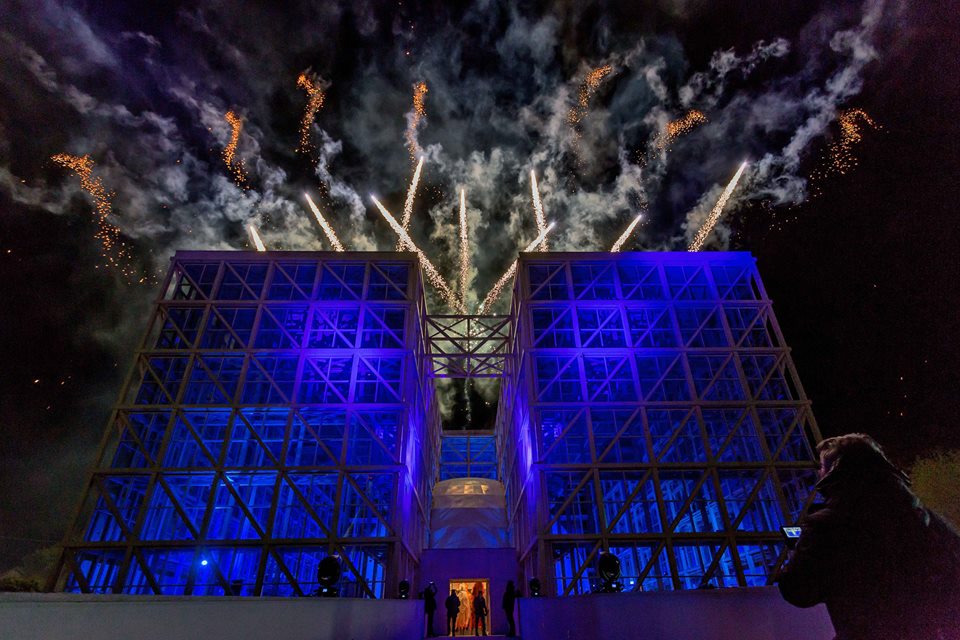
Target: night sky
(854,228)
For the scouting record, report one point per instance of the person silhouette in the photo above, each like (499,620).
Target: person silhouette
(479,613)
(429,606)
(509,598)
(452,604)
(886,567)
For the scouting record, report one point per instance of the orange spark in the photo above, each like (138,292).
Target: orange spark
(229,152)
(681,126)
(413,121)
(315,98)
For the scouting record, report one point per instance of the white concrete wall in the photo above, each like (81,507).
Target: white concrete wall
(716,614)
(25,616)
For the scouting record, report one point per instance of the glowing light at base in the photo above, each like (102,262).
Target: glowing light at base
(315,98)
(538,209)
(408,203)
(626,234)
(676,128)
(230,151)
(512,270)
(419,112)
(464,249)
(327,229)
(433,276)
(715,213)
(112,249)
(258,243)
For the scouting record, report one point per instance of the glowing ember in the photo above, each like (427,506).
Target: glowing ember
(258,243)
(230,151)
(419,112)
(626,234)
(538,208)
(679,127)
(112,248)
(589,86)
(315,97)
(433,276)
(327,229)
(715,213)
(408,204)
(464,250)
(511,271)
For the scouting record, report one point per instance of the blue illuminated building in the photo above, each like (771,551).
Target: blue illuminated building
(282,408)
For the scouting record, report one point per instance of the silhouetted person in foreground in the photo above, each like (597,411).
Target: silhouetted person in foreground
(479,615)
(886,567)
(509,598)
(452,604)
(429,606)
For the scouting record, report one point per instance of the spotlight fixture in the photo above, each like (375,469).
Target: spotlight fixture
(534,585)
(328,574)
(608,567)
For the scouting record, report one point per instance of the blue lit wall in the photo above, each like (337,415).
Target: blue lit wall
(650,409)
(278,412)
(468,454)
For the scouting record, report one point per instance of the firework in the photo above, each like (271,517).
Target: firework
(714,216)
(626,234)
(589,86)
(257,242)
(315,98)
(408,204)
(538,208)
(676,128)
(498,287)
(113,249)
(464,249)
(327,229)
(413,121)
(230,151)
(433,276)
(842,158)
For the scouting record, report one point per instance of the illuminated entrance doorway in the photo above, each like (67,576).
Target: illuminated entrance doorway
(467,589)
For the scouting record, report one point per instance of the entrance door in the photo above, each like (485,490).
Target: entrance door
(467,589)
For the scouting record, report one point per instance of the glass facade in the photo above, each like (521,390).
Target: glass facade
(277,413)
(282,408)
(650,408)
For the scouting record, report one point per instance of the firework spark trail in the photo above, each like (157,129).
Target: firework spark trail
(258,243)
(626,234)
(841,153)
(327,229)
(230,151)
(408,203)
(464,249)
(433,276)
(715,213)
(413,120)
(538,209)
(587,89)
(676,128)
(314,104)
(113,249)
(498,287)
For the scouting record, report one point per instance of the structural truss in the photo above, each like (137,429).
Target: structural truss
(650,409)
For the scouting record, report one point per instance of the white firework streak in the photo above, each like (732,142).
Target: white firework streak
(327,229)
(626,234)
(433,276)
(464,250)
(256,237)
(408,204)
(538,208)
(498,287)
(715,213)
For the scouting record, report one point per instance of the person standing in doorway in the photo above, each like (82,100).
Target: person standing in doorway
(509,598)
(429,606)
(479,614)
(453,608)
